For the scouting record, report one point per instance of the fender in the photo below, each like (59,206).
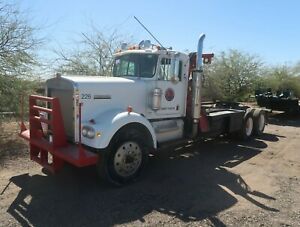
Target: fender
(108,123)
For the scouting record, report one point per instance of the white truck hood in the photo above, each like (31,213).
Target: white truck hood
(96,79)
(97,95)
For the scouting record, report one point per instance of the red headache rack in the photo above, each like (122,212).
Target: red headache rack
(41,146)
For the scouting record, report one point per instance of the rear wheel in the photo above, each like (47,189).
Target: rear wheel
(259,122)
(246,131)
(126,157)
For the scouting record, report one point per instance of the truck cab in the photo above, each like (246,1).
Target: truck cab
(165,77)
(164,72)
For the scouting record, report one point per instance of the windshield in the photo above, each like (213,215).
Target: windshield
(136,65)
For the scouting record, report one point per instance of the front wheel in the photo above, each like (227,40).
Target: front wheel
(125,158)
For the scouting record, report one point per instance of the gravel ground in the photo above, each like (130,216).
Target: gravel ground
(213,183)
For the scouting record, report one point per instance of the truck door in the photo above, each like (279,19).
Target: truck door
(172,80)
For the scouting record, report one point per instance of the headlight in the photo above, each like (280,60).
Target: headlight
(91,133)
(84,131)
(88,132)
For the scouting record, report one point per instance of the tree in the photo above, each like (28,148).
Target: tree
(17,42)
(17,58)
(281,78)
(296,69)
(232,75)
(95,55)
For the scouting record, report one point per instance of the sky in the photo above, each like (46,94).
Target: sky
(267,28)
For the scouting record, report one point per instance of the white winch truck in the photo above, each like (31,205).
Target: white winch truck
(152,100)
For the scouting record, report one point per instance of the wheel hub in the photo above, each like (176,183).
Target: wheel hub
(128,159)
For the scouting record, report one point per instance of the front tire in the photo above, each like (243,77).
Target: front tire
(126,157)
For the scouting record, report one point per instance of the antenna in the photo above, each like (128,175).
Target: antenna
(148,31)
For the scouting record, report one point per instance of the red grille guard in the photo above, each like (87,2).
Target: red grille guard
(60,149)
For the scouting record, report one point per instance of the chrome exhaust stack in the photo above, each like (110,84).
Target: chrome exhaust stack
(197,78)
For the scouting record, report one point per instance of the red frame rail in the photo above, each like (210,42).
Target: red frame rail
(41,145)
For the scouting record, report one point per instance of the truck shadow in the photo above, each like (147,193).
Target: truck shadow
(187,183)
(284,119)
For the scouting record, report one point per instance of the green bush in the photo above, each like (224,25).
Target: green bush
(232,76)
(11,91)
(280,78)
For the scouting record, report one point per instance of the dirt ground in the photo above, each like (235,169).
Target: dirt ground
(212,183)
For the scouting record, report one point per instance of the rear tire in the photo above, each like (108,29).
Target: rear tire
(259,122)
(246,131)
(125,158)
